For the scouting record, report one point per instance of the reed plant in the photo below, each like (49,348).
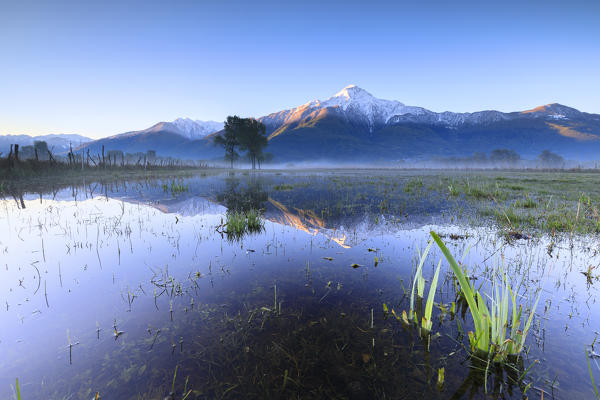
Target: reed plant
(493,335)
(18,389)
(592,375)
(238,223)
(418,288)
(175,188)
(498,320)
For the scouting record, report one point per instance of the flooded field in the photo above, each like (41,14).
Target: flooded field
(143,289)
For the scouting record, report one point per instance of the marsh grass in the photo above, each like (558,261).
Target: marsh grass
(496,316)
(527,202)
(415,312)
(283,187)
(175,187)
(413,186)
(592,375)
(18,389)
(240,223)
(553,221)
(491,323)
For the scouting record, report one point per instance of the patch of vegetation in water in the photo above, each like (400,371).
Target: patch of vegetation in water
(240,223)
(413,185)
(527,202)
(175,187)
(283,186)
(559,202)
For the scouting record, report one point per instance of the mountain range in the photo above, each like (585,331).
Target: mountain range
(353,125)
(57,143)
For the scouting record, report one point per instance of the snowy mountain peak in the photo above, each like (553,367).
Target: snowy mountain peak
(554,111)
(196,129)
(362,105)
(353,102)
(353,92)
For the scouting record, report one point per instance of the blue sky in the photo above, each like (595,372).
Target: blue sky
(103,68)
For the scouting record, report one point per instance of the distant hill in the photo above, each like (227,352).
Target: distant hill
(354,126)
(166,138)
(57,143)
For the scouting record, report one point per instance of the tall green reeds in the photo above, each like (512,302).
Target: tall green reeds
(491,324)
(239,223)
(497,321)
(419,284)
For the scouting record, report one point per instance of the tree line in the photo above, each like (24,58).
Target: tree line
(507,158)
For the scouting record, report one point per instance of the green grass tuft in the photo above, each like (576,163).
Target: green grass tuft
(491,323)
(283,187)
(240,223)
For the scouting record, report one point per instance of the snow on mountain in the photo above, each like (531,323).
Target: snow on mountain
(353,102)
(197,129)
(554,111)
(185,127)
(358,105)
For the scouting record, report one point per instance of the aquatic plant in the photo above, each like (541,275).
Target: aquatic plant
(413,185)
(440,380)
(527,202)
(175,188)
(419,283)
(491,324)
(239,223)
(592,375)
(492,338)
(185,394)
(283,186)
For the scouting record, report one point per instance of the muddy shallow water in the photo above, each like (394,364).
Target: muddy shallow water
(113,288)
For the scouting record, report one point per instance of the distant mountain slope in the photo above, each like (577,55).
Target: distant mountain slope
(57,143)
(353,125)
(183,138)
(196,129)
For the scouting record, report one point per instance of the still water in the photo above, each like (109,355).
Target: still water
(129,290)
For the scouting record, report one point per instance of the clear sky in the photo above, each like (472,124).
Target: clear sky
(101,68)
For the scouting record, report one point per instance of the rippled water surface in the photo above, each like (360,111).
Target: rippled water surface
(131,290)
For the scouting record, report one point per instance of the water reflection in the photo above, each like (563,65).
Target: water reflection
(497,381)
(278,314)
(239,196)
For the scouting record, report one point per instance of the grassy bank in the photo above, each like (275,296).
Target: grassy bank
(32,175)
(545,201)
